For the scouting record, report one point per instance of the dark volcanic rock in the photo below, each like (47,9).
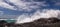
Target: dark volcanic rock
(47,20)
(42,22)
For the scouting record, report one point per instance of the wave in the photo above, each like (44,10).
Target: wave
(24,18)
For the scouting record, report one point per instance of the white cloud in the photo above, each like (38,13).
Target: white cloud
(22,5)
(57,3)
(28,6)
(37,15)
(5,5)
(8,16)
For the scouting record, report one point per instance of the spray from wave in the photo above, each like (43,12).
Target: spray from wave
(37,15)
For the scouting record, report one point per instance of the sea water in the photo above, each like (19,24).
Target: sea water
(8,20)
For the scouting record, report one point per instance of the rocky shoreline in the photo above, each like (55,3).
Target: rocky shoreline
(43,22)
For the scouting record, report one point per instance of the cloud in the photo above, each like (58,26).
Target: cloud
(5,5)
(24,18)
(21,5)
(57,3)
(8,16)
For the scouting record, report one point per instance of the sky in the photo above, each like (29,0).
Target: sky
(28,9)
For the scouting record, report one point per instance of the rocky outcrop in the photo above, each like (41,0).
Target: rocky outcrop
(42,22)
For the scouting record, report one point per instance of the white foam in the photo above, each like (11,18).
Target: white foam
(37,15)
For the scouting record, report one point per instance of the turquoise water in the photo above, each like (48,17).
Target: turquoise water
(10,21)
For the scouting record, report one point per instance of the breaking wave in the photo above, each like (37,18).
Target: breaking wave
(24,18)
